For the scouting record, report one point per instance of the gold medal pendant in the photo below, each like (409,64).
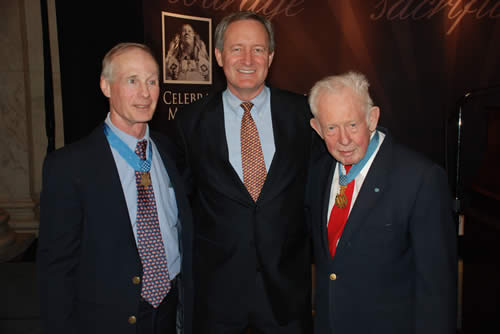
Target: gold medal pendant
(145,179)
(341,198)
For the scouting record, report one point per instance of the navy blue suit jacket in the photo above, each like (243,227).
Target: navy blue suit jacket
(395,264)
(87,253)
(236,237)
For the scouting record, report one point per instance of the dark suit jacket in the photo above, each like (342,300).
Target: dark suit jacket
(87,253)
(395,264)
(235,237)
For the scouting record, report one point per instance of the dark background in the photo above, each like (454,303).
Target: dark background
(420,76)
(86,31)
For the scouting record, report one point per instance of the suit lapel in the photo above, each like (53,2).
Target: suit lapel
(214,129)
(282,162)
(175,179)
(329,169)
(108,179)
(374,186)
(173,175)
(214,133)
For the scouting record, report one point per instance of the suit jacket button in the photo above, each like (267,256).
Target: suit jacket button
(136,280)
(333,277)
(132,320)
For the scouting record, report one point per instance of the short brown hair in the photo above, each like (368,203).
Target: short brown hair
(221,28)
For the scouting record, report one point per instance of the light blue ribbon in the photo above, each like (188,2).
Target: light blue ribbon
(356,168)
(127,154)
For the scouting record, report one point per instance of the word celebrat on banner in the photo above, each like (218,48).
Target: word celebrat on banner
(174,99)
(170,97)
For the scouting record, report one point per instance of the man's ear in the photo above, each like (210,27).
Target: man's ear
(218,56)
(271,56)
(105,88)
(373,118)
(315,125)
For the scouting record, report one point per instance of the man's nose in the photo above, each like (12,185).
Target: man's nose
(145,90)
(344,137)
(247,57)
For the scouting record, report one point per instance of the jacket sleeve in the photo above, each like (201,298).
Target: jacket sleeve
(434,239)
(181,152)
(58,246)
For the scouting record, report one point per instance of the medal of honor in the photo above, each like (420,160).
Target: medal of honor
(348,173)
(145,179)
(341,198)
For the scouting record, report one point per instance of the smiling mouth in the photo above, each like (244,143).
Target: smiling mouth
(142,106)
(246,71)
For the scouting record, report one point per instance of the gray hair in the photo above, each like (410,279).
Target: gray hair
(334,84)
(107,61)
(221,28)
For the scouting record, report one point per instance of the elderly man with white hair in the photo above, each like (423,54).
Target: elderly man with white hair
(381,220)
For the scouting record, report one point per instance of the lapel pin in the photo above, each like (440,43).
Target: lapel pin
(376,190)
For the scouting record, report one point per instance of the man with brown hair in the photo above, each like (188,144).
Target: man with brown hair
(244,153)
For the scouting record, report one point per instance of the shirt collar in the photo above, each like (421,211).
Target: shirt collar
(131,141)
(234,102)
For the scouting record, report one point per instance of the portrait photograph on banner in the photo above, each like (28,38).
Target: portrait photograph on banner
(187,49)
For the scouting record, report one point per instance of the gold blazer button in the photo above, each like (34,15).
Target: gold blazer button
(333,277)
(132,320)
(136,280)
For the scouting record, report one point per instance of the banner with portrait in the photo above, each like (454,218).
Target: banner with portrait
(420,57)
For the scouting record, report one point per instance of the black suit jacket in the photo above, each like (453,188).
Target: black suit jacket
(395,264)
(87,254)
(235,237)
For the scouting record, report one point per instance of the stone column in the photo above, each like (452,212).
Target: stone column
(7,236)
(12,244)
(22,110)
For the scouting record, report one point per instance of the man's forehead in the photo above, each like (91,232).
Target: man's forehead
(132,57)
(246,27)
(131,71)
(340,105)
(342,95)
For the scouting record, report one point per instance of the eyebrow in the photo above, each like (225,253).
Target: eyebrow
(154,75)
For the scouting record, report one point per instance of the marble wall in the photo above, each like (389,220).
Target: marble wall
(22,112)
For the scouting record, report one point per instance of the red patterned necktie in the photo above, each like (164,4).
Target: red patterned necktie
(155,279)
(252,158)
(338,216)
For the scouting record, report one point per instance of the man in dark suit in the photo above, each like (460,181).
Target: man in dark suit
(383,235)
(244,153)
(115,226)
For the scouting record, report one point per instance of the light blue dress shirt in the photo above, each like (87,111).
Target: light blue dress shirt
(164,195)
(261,114)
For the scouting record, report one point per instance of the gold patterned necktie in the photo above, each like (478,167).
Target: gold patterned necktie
(252,158)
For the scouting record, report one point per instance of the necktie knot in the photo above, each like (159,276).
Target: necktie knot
(247,106)
(140,149)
